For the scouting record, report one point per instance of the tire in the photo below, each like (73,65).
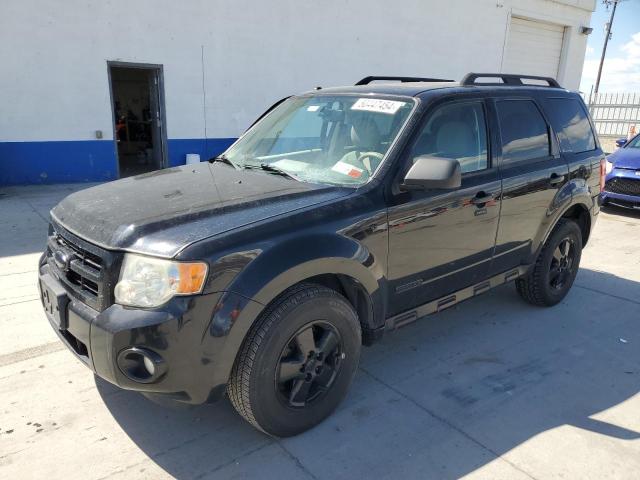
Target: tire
(553,274)
(297,362)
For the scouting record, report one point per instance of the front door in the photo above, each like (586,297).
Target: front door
(443,241)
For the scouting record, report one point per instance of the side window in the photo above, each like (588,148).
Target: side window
(456,130)
(524,132)
(570,121)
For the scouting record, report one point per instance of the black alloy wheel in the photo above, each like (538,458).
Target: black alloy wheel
(297,361)
(551,277)
(309,364)
(561,267)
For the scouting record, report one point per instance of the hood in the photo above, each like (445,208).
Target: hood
(161,212)
(626,158)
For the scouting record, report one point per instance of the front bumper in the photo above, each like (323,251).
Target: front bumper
(620,198)
(192,335)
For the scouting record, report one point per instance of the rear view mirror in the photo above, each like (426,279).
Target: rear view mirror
(433,173)
(621,142)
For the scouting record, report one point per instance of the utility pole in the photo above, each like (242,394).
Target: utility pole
(606,40)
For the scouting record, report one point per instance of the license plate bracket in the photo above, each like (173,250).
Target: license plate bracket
(54,301)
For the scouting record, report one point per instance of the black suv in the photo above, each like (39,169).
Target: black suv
(342,213)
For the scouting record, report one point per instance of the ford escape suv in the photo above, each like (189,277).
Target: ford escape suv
(341,214)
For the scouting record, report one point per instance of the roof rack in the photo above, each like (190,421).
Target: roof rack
(508,79)
(368,80)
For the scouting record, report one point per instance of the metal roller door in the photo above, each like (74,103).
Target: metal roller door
(533,48)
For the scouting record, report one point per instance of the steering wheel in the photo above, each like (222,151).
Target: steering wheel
(370,155)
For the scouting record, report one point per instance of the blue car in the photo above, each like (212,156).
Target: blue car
(622,181)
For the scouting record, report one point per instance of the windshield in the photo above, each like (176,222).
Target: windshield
(339,139)
(634,143)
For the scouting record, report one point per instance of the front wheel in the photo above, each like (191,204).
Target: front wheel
(297,362)
(556,266)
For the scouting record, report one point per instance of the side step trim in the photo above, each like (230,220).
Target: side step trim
(447,301)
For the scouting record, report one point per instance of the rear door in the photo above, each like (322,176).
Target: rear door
(532,173)
(578,145)
(442,241)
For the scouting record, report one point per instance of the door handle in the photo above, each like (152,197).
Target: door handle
(481,198)
(556,179)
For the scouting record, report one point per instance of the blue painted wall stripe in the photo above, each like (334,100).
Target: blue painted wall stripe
(206,148)
(57,162)
(84,160)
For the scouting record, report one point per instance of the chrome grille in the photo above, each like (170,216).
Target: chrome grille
(88,271)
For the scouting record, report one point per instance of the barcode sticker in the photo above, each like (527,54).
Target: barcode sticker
(378,105)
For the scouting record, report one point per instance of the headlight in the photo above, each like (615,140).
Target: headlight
(150,282)
(608,166)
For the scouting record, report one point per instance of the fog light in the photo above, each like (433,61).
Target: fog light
(141,365)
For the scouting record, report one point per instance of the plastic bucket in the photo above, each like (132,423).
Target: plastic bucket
(193,158)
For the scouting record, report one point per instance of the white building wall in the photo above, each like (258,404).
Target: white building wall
(54,84)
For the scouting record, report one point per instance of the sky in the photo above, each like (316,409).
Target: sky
(621,71)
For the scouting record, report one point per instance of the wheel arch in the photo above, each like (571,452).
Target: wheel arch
(340,263)
(359,298)
(244,314)
(580,214)
(352,280)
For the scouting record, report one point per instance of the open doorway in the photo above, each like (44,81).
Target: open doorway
(138,113)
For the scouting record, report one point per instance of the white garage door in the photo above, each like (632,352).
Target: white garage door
(533,48)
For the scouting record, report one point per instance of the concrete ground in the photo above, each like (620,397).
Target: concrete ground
(492,389)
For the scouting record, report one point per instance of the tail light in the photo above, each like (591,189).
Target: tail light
(603,173)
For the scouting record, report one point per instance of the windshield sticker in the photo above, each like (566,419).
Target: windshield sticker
(377,105)
(346,169)
(313,108)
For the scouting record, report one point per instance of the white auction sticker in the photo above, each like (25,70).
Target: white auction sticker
(313,108)
(378,105)
(346,169)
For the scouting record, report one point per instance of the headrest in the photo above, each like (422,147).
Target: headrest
(365,134)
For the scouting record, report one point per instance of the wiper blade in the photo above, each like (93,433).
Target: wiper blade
(271,169)
(222,159)
(278,170)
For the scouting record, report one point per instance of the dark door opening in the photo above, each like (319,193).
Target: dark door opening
(137,102)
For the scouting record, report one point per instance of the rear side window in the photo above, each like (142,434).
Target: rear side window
(524,132)
(570,121)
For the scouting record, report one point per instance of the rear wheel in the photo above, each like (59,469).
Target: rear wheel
(556,266)
(297,362)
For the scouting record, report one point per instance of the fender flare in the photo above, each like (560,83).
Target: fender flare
(581,201)
(286,264)
(278,268)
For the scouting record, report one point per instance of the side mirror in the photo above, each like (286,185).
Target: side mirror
(621,142)
(433,173)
